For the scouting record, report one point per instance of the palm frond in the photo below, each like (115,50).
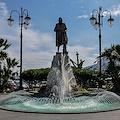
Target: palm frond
(4,44)
(3,54)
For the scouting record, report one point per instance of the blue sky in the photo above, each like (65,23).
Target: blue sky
(39,38)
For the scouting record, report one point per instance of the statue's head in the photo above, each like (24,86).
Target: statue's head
(60,20)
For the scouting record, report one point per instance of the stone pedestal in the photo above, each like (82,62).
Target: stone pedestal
(60,78)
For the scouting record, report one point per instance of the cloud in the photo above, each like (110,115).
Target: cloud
(81,7)
(84,54)
(83,16)
(3,9)
(115,10)
(38,48)
(35,40)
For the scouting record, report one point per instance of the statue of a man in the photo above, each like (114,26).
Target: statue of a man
(61,35)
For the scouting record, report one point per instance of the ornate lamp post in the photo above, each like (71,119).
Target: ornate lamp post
(97,22)
(21,23)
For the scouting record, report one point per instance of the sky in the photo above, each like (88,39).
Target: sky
(39,39)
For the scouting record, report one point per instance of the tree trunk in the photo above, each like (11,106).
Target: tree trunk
(116,84)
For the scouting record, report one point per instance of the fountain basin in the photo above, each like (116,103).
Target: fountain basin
(95,101)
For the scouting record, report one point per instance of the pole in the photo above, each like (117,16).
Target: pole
(99,16)
(100,51)
(0,70)
(21,51)
(77,59)
(1,87)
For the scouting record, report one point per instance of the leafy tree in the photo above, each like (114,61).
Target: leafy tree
(85,77)
(33,76)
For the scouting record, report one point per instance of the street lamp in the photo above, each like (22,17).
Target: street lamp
(21,23)
(97,22)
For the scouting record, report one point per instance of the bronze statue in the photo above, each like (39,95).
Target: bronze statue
(61,35)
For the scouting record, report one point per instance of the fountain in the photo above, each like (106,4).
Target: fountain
(59,96)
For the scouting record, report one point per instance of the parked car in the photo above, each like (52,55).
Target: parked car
(11,85)
(24,84)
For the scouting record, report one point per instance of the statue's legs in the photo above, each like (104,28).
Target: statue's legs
(64,48)
(58,48)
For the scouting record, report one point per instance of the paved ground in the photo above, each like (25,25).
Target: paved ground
(2,95)
(8,115)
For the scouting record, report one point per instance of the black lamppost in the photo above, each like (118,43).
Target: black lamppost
(0,70)
(21,23)
(97,22)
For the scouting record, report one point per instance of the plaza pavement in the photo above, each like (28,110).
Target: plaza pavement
(9,115)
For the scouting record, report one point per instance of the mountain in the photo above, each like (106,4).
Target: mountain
(104,64)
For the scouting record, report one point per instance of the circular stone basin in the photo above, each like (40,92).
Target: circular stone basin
(94,101)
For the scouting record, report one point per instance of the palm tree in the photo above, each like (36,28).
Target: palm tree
(4,45)
(11,63)
(112,54)
(8,69)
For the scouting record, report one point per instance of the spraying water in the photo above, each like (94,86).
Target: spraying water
(61,76)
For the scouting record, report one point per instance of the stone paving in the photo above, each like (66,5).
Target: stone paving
(8,115)
(2,95)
